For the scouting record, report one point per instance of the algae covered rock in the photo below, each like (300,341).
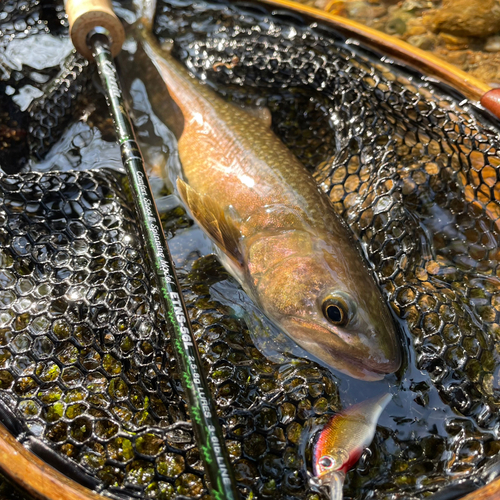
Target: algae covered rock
(478,18)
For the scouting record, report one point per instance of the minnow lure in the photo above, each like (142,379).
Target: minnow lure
(342,441)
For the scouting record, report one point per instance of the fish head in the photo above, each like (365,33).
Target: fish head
(338,315)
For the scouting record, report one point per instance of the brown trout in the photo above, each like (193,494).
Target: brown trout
(274,231)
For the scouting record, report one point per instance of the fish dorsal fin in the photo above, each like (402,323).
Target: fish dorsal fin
(210,216)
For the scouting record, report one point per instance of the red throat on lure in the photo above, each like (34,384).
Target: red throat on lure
(345,436)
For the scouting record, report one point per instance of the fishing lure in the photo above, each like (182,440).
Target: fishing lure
(342,441)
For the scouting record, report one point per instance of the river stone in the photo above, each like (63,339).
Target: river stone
(492,44)
(479,18)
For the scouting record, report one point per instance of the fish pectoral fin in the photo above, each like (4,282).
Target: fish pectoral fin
(210,216)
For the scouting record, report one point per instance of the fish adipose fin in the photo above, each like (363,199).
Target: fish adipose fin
(261,113)
(210,216)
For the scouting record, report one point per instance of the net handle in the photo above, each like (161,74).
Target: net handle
(423,61)
(40,480)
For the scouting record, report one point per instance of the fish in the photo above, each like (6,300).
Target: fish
(341,442)
(274,231)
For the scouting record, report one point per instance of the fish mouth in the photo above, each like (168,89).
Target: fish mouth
(352,354)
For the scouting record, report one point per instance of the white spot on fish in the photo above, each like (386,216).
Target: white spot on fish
(247,180)
(198,118)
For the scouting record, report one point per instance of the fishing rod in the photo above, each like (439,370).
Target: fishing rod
(98,34)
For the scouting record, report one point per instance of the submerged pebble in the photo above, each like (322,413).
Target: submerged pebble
(492,44)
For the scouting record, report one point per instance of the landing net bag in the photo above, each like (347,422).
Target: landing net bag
(87,376)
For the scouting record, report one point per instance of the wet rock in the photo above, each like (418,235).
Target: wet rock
(336,7)
(424,42)
(416,28)
(492,44)
(453,42)
(416,6)
(397,23)
(487,70)
(457,57)
(477,18)
(364,12)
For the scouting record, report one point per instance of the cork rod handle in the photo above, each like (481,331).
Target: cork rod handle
(85,15)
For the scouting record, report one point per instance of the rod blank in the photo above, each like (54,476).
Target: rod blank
(91,31)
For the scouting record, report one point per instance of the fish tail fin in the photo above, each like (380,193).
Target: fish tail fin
(384,401)
(210,216)
(146,10)
(142,29)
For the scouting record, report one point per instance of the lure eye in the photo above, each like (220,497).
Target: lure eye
(336,311)
(326,462)
(334,461)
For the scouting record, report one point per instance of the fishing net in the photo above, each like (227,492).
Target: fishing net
(87,376)
(412,171)
(63,89)
(85,364)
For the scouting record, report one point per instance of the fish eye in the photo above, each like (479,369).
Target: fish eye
(336,311)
